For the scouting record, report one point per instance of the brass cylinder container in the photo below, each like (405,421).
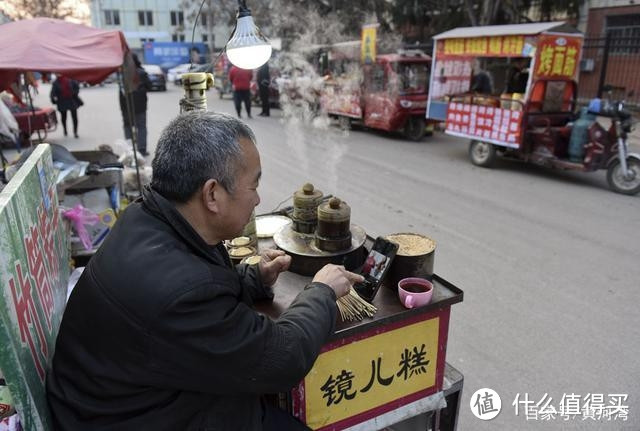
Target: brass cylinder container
(334,226)
(305,208)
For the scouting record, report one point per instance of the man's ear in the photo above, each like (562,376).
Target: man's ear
(211,193)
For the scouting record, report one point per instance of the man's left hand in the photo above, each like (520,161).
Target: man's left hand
(273,262)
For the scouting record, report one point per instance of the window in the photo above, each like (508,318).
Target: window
(203,19)
(625,33)
(205,38)
(145,17)
(176,37)
(376,78)
(112,17)
(177,18)
(413,77)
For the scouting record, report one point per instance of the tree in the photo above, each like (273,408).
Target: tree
(213,12)
(61,9)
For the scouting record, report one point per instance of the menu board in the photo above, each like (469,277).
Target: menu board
(487,123)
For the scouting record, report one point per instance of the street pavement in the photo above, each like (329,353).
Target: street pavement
(548,260)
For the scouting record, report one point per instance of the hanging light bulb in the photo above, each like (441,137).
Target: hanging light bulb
(247,48)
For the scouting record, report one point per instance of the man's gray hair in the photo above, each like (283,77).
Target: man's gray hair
(195,147)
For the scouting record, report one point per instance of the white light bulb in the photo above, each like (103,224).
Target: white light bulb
(247,48)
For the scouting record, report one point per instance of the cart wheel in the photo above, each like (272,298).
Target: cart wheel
(629,185)
(344,122)
(482,153)
(414,128)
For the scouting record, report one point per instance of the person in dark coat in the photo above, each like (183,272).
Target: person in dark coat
(160,333)
(481,81)
(517,76)
(139,100)
(264,83)
(65,94)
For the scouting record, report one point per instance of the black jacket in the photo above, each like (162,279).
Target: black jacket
(138,96)
(263,76)
(159,333)
(69,103)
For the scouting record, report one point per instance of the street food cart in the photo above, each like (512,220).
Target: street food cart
(537,123)
(40,120)
(385,367)
(379,371)
(390,94)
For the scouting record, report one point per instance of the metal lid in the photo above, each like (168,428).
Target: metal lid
(334,210)
(307,194)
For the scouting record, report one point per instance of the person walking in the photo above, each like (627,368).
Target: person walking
(241,85)
(139,101)
(65,94)
(264,82)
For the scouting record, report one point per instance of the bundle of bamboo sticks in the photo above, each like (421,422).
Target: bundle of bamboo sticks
(353,307)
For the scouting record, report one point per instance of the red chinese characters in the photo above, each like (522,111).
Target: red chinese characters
(487,123)
(33,290)
(28,320)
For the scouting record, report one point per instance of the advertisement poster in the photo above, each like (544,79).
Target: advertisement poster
(34,271)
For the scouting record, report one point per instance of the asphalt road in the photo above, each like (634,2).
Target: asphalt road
(549,261)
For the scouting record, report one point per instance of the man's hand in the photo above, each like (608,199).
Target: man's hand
(337,278)
(273,262)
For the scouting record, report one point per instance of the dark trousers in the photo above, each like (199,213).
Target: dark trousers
(240,96)
(140,123)
(275,419)
(264,98)
(74,119)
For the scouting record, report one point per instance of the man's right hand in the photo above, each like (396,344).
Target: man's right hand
(337,278)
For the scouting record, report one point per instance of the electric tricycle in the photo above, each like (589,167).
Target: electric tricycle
(388,94)
(538,123)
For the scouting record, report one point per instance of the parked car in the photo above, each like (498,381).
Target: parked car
(156,76)
(175,73)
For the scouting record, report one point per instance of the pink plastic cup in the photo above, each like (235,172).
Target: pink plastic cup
(414,292)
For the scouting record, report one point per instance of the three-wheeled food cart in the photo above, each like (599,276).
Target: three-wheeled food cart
(536,123)
(40,120)
(389,94)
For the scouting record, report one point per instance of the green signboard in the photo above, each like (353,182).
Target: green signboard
(34,270)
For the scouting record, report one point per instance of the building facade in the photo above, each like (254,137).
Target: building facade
(156,21)
(612,48)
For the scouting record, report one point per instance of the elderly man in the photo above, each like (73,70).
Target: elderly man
(159,333)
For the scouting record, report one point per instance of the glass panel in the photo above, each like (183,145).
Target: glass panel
(413,78)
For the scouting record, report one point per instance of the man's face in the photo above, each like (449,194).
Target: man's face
(236,206)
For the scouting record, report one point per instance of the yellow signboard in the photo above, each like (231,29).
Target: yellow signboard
(368,45)
(371,372)
(493,46)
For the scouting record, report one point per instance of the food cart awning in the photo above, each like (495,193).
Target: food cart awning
(505,30)
(50,45)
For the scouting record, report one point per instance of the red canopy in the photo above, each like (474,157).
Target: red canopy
(51,45)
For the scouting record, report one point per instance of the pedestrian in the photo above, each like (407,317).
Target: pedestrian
(481,81)
(517,76)
(160,333)
(241,85)
(264,84)
(65,94)
(138,100)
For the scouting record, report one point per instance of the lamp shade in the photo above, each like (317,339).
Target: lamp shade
(248,48)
